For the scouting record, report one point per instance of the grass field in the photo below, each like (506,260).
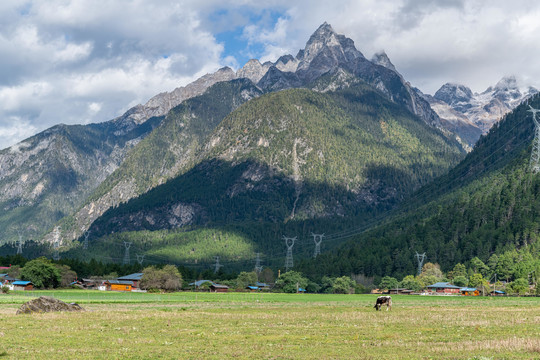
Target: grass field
(270,326)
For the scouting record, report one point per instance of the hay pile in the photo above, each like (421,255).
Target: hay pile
(47,304)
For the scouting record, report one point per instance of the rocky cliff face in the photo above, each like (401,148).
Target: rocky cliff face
(48,175)
(162,103)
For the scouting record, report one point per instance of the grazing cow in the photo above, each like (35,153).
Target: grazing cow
(381,300)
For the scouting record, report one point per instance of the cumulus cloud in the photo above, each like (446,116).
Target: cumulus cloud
(60,59)
(68,61)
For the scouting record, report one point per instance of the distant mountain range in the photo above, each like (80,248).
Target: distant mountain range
(325,138)
(471,114)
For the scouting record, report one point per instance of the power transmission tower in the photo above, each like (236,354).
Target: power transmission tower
(56,244)
(217,266)
(289,260)
(258,266)
(19,243)
(85,243)
(535,153)
(140,259)
(317,238)
(420,258)
(127,260)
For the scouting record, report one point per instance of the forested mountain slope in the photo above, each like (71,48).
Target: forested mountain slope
(289,157)
(487,205)
(169,150)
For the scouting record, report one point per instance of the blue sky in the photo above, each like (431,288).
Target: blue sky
(77,62)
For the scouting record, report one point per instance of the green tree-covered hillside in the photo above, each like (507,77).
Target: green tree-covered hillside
(291,158)
(486,206)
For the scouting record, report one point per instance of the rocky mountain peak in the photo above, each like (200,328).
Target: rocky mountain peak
(507,83)
(253,70)
(452,93)
(382,59)
(324,51)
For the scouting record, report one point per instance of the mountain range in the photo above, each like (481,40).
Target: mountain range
(325,139)
(471,115)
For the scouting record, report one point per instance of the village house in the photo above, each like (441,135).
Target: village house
(22,285)
(469,291)
(444,288)
(197,284)
(118,285)
(134,278)
(218,288)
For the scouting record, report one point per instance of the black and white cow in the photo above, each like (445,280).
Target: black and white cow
(381,300)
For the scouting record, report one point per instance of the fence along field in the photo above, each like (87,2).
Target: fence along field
(284,326)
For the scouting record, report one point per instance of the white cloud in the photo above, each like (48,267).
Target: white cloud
(69,61)
(17,129)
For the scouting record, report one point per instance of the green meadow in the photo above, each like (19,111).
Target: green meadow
(189,325)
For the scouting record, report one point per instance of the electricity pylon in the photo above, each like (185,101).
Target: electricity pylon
(56,244)
(258,266)
(127,260)
(19,243)
(535,153)
(420,258)
(85,243)
(317,238)
(140,258)
(289,259)
(217,266)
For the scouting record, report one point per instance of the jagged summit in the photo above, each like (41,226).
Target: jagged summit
(507,83)
(380,58)
(453,93)
(325,50)
(488,107)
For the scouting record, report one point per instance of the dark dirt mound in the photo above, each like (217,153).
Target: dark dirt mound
(47,304)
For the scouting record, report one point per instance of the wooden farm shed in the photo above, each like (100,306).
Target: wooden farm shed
(118,285)
(218,288)
(444,288)
(22,285)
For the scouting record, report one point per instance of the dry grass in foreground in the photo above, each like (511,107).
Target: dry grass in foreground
(414,329)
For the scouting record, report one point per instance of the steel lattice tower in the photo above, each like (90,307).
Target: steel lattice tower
(317,238)
(258,266)
(217,265)
(420,258)
(535,153)
(289,260)
(85,243)
(140,259)
(56,244)
(19,243)
(127,260)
